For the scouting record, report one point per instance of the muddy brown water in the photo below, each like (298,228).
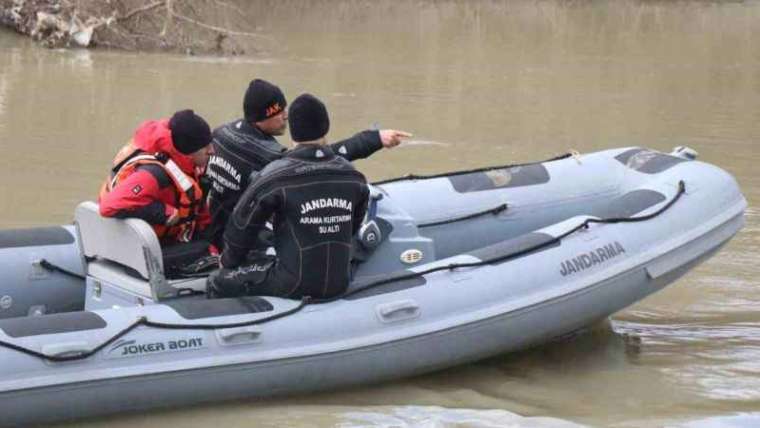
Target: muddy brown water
(479,83)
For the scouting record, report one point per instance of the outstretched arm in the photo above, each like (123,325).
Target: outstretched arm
(365,143)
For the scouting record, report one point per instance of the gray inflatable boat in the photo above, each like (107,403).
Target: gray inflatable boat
(455,268)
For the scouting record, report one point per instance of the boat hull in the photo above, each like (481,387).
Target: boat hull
(517,293)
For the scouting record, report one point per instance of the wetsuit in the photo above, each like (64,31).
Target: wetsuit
(316,201)
(240,149)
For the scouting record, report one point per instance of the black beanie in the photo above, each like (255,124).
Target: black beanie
(262,101)
(190,132)
(308,119)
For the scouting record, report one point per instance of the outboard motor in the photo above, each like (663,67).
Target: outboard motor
(370,234)
(389,239)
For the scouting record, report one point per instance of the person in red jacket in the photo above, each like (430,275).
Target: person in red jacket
(155,177)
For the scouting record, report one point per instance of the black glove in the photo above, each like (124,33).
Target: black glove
(202,265)
(242,281)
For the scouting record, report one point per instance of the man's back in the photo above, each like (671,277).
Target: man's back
(316,201)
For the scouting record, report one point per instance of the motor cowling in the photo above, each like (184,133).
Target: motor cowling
(369,235)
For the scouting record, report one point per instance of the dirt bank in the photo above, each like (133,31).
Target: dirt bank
(190,26)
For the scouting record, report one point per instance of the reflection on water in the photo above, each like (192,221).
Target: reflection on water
(479,83)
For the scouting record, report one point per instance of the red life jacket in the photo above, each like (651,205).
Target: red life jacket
(156,135)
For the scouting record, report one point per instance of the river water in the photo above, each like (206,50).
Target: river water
(479,83)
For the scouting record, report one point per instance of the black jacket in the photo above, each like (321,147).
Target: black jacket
(241,149)
(316,201)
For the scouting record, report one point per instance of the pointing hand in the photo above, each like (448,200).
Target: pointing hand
(392,138)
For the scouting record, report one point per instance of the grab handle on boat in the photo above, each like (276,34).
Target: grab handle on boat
(239,335)
(398,311)
(65,349)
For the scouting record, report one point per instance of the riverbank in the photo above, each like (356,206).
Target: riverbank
(203,27)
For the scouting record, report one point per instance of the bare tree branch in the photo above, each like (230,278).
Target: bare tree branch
(220,29)
(230,6)
(169,15)
(145,8)
(190,25)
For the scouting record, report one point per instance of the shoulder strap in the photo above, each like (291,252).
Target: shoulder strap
(134,159)
(179,177)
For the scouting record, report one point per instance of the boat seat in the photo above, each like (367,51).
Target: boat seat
(126,253)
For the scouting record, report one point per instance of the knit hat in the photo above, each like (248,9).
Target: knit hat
(190,132)
(308,119)
(262,101)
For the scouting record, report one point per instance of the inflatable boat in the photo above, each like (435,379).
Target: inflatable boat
(450,269)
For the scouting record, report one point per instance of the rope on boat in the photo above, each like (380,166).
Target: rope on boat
(506,257)
(469,171)
(494,211)
(307,301)
(55,268)
(143,321)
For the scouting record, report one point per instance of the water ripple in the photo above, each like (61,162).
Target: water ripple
(439,417)
(718,359)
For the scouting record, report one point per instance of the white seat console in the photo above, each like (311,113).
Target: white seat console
(124,256)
